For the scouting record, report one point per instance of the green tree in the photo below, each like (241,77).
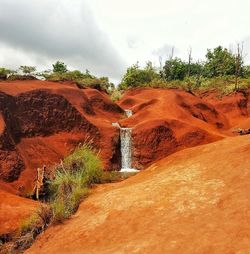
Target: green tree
(219,62)
(136,76)
(27,69)
(60,67)
(109,86)
(174,69)
(4,73)
(246,71)
(87,74)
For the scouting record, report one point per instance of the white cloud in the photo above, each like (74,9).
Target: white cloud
(58,29)
(108,36)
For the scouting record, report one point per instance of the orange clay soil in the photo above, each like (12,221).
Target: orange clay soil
(166,121)
(41,122)
(194,201)
(13,210)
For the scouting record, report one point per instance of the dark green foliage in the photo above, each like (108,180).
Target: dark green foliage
(219,62)
(136,76)
(4,73)
(60,67)
(26,70)
(246,71)
(101,84)
(83,80)
(174,69)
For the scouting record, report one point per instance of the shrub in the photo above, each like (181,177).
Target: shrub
(28,230)
(219,62)
(37,222)
(21,77)
(138,77)
(27,70)
(174,69)
(59,67)
(29,223)
(4,73)
(83,80)
(115,95)
(72,179)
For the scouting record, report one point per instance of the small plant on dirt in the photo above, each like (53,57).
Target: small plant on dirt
(115,95)
(73,177)
(28,231)
(37,221)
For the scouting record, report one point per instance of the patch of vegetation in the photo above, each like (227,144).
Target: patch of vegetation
(29,229)
(82,79)
(221,66)
(137,77)
(67,187)
(60,67)
(4,73)
(73,178)
(27,70)
(115,95)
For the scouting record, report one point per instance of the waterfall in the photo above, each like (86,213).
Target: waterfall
(126,150)
(126,145)
(125,135)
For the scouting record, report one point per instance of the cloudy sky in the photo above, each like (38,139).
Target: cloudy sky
(107,36)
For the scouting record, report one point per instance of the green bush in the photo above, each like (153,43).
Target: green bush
(138,77)
(27,70)
(220,62)
(72,179)
(60,67)
(29,223)
(115,95)
(38,221)
(83,80)
(4,71)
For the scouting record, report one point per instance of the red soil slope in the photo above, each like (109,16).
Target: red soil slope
(13,210)
(41,122)
(165,121)
(194,201)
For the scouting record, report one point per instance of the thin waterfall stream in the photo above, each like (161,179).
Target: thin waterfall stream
(126,146)
(125,136)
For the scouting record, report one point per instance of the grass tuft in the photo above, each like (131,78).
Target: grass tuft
(73,177)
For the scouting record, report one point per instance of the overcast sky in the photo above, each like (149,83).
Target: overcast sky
(107,36)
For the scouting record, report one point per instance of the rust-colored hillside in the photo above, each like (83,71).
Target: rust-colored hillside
(166,121)
(41,122)
(194,201)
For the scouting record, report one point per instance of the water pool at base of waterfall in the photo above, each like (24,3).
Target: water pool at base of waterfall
(129,170)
